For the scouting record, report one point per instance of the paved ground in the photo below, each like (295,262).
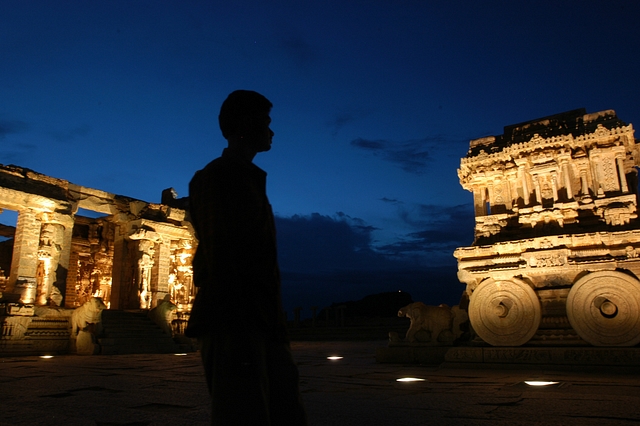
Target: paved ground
(137,390)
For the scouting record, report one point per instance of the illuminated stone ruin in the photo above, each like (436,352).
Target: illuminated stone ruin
(555,259)
(130,253)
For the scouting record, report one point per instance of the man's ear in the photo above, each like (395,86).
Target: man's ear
(246,125)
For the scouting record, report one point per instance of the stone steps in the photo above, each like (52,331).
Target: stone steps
(127,332)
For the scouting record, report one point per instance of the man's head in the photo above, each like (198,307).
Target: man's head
(244,118)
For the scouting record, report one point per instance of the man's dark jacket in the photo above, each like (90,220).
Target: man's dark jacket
(235,265)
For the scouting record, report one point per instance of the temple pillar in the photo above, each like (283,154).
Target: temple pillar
(596,162)
(146,253)
(512,183)
(64,262)
(479,201)
(48,259)
(143,258)
(567,180)
(53,257)
(583,183)
(182,289)
(160,273)
(72,279)
(554,186)
(537,190)
(489,199)
(623,177)
(122,275)
(24,262)
(525,186)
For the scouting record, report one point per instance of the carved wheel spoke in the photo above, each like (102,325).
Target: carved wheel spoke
(504,313)
(604,308)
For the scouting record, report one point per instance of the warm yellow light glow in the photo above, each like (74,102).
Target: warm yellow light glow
(540,383)
(46,356)
(334,358)
(409,379)
(180,354)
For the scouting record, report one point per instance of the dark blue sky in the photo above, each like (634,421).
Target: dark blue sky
(374,104)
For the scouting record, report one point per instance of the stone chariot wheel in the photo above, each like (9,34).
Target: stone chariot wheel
(504,312)
(604,308)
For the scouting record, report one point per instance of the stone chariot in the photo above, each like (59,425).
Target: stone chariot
(556,254)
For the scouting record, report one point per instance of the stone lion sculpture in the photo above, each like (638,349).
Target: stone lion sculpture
(55,298)
(89,313)
(460,321)
(433,319)
(162,315)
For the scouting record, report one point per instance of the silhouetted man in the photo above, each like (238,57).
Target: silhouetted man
(238,316)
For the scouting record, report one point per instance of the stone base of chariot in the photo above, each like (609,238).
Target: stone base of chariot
(568,358)
(561,357)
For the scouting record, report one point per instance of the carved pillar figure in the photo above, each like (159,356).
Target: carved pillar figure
(184,257)
(145,265)
(500,194)
(48,258)
(102,273)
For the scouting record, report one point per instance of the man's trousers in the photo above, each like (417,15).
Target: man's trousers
(253,381)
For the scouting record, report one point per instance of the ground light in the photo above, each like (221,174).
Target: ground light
(46,356)
(409,379)
(540,383)
(180,354)
(334,358)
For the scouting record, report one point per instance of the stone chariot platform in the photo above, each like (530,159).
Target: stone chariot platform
(559,357)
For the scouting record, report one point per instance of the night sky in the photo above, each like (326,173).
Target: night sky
(374,105)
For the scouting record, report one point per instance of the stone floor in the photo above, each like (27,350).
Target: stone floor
(137,390)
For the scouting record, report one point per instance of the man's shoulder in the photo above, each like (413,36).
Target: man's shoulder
(217,166)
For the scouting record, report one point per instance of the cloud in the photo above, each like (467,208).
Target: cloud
(69,135)
(326,259)
(390,200)
(413,156)
(439,231)
(8,127)
(342,119)
(339,121)
(324,243)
